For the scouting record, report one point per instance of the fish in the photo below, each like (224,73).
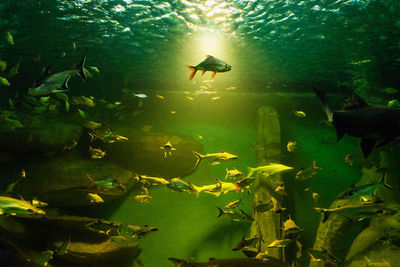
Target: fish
(215,98)
(276,206)
(167,149)
(58,82)
(95,69)
(299,113)
(189,98)
(216,189)
(173,112)
(290,227)
(92,125)
(138,231)
(4,81)
(95,198)
(270,169)
(315,196)
(244,183)
(3,65)
(152,180)
(233,204)
(139,95)
(365,190)
(393,103)
(14,70)
(214,158)
(38,204)
(70,145)
(63,249)
(179,185)
(209,64)
(9,38)
(323,255)
(230,88)
(142,198)
(96,153)
(358,211)
(348,159)
(304,174)
(292,146)
(44,257)
(375,125)
(108,183)
(280,243)
(82,100)
(247,242)
(383,263)
(235,173)
(390,91)
(280,189)
(263,206)
(16,207)
(160,96)
(236,216)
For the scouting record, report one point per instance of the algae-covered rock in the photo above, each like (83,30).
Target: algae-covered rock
(62,181)
(71,239)
(143,153)
(39,134)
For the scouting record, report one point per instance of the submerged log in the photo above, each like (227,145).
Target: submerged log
(268,224)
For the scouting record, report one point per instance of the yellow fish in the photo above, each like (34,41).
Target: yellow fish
(95,198)
(96,153)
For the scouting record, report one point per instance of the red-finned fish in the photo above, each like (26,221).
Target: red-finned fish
(209,64)
(292,146)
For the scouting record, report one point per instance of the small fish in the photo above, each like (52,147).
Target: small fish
(215,98)
(92,124)
(44,258)
(230,88)
(299,113)
(243,183)
(152,180)
(189,98)
(3,65)
(364,61)
(82,113)
(4,81)
(280,243)
(269,169)
(214,158)
(142,198)
(290,227)
(315,196)
(23,173)
(280,189)
(10,38)
(263,207)
(168,148)
(38,204)
(236,216)
(95,69)
(108,183)
(63,54)
(383,263)
(96,153)
(139,95)
(70,145)
(247,242)
(292,146)
(323,255)
(82,100)
(73,46)
(393,103)
(304,174)
(160,96)
(173,112)
(14,70)
(234,173)
(13,206)
(179,185)
(209,64)
(94,198)
(233,204)
(348,159)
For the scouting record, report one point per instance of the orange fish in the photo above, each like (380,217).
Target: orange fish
(209,64)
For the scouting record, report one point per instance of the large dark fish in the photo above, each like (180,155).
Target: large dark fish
(209,64)
(242,262)
(372,123)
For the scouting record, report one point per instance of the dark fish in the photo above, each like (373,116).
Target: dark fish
(235,215)
(247,242)
(372,123)
(209,64)
(242,262)
(364,190)
(58,82)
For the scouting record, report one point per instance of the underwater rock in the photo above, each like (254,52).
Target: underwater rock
(39,135)
(268,224)
(84,247)
(143,154)
(62,181)
(379,241)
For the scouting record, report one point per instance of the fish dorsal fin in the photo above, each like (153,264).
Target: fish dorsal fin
(218,180)
(355,102)
(208,56)
(65,84)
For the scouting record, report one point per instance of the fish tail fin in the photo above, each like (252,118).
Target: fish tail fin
(194,188)
(237,187)
(322,96)
(81,66)
(251,171)
(220,212)
(65,84)
(383,179)
(193,70)
(198,157)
